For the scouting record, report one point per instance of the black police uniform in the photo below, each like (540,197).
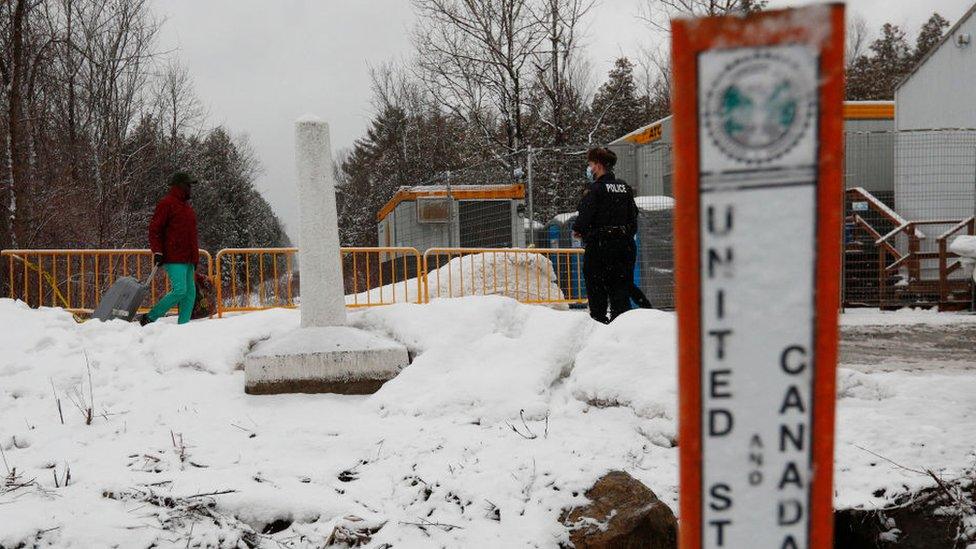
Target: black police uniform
(607,222)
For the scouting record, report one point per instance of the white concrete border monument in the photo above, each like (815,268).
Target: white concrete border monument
(324,355)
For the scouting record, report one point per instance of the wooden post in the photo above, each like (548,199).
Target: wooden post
(914,266)
(943,275)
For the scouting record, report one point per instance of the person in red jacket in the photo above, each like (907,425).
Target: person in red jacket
(173,241)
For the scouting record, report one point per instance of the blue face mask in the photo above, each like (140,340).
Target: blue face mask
(589,174)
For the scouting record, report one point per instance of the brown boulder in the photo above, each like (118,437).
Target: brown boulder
(622,514)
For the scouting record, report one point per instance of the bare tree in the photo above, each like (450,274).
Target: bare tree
(475,57)
(13,71)
(658,13)
(93,117)
(856,41)
(558,66)
(655,81)
(119,40)
(176,102)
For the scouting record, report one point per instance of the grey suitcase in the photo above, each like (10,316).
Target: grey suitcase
(123,298)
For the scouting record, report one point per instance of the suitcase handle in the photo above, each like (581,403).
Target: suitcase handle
(152,273)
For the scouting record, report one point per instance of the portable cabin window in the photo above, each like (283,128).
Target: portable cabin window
(433,210)
(485,223)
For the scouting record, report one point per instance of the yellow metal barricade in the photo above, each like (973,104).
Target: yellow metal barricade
(76,279)
(530,275)
(382,276)
(251,279)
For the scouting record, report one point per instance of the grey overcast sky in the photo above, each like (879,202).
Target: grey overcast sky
(258,65)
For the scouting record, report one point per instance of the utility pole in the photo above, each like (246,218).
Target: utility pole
(450,212)
(529,201)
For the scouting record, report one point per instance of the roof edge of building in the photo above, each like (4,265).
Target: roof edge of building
(853,110)
(644,134)
(869,110)
(514,191)
(945,38)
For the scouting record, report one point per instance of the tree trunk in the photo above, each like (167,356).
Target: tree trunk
(558,96)
(16,162)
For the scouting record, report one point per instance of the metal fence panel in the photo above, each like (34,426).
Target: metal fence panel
(909,194)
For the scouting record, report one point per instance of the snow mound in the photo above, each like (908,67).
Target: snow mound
(527,276)
(564,217)
(654,203)
(481,371)
(489,360)
(611,370)
(964,246)
(854,384)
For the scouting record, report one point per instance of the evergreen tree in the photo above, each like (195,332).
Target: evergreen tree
(929,36)
(617,107)
(400,149)
(231,212)
(876,74)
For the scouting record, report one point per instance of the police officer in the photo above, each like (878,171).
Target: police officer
(607,223)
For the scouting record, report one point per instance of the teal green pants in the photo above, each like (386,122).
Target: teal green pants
(183,292)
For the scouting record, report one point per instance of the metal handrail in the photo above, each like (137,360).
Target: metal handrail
(882,208)
(958,227)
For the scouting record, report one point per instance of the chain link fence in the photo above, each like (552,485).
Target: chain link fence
(909,196)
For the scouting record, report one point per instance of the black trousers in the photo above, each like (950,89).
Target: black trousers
(608,270)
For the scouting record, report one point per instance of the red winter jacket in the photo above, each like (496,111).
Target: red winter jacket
(173,229)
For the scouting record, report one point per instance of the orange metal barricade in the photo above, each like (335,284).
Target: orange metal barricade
(251,279)
(530,275)
(76,279)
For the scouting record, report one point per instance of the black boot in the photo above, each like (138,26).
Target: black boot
(639,299)
(144,319)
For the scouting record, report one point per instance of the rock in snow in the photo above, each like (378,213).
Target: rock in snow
(622,514)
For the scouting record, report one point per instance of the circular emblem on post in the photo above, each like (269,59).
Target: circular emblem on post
(759,107)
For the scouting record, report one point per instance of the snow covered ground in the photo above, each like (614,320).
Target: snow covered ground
(507,413)
(903,317)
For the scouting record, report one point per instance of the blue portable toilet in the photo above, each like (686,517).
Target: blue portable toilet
(576,279)
(637,263)
(554,235)
(560,234)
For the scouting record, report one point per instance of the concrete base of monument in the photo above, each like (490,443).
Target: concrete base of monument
(335,359)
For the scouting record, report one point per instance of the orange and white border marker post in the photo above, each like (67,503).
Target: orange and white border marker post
(758,154)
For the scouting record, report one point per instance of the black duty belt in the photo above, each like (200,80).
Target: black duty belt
(614,230)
